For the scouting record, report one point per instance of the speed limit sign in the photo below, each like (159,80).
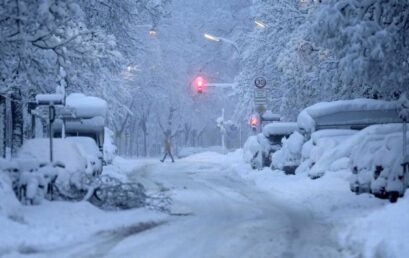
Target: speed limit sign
(260,82)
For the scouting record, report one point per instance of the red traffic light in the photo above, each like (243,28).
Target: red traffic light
(199,84)
(253,121)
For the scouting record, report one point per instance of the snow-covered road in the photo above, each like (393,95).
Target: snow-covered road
(220,208)
(216,214)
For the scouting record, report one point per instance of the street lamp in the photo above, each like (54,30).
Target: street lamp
(220,39)
(152,32)
(260,24)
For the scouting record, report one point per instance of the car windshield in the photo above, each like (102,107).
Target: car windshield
(276,138)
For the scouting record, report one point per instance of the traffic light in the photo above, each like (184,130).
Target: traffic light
(199,84)
(254,122)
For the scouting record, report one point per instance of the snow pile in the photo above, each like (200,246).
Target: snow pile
(383,233)
(290,153)
(56,227)
(8,200)
(86,106)
(188,151)
(348,112)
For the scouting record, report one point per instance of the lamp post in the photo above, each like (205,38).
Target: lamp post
(221,39)
(260,24)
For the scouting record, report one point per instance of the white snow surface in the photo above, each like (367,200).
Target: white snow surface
(220,208)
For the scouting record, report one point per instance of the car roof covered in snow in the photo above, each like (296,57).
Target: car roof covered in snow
(356,113)
(88,144)
(280,128)
(86,106)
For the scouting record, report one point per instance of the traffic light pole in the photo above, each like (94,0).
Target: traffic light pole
(222,85)
(51,118)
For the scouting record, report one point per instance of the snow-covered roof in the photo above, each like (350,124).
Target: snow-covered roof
(348,113)
(86,106)
(270,116)
(49,99)
(280,128)
(95,124)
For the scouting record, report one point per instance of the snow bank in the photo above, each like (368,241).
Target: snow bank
(348,112)
(63,225)
(383,233)
(188,151)
(86,106)
(8,200)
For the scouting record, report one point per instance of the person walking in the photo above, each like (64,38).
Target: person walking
(168,148)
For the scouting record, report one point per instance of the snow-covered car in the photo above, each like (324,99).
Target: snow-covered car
(355,114)
(259,148)
(377,166)
(64,152)
(288,158)
(90,151)
(321,142)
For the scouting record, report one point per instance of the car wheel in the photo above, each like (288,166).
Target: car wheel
(393,196)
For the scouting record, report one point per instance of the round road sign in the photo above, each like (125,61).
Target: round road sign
(260,82)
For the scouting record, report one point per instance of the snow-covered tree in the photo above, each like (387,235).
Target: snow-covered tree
(371,41)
